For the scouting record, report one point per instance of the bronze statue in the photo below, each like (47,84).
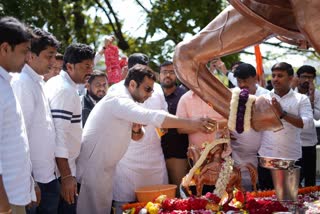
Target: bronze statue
(245,23)
(209,171)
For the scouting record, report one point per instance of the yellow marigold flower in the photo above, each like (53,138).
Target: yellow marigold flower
(197,172)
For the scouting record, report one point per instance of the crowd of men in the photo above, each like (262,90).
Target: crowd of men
(65,153)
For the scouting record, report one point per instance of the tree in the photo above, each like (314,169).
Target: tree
(175,20)
(66,19)
(168,22)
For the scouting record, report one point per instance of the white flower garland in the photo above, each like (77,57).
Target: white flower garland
(187,179)
(232,121)
(233,109)
(247,115)
(224,176)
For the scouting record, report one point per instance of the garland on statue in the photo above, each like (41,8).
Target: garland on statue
(224,176)
(187,179)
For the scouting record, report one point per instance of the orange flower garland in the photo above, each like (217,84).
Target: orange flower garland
(269,193)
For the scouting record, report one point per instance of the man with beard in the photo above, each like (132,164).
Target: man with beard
(107,134)
(245,145)
(174,145)
(96,86)
(133,168)
(65,106)
(306,75)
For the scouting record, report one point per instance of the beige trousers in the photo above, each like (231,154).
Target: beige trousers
(18,209)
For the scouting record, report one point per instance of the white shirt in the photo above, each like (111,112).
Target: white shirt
(286,143)
(15,164)
(232,79)
(65,108)
(143,159)
(309,136)
(106,136)
(28,87)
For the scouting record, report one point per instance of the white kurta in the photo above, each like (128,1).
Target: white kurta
(105,140)
(245,147)
(143,159)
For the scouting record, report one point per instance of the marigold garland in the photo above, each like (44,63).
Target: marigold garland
(269,193)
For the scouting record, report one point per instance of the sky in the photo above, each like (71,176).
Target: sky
(133,23)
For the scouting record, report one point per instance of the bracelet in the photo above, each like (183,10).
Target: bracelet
(67,176)
(138,132)
(284,113)
(7,212)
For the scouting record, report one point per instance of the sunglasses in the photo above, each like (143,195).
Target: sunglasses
(148,89)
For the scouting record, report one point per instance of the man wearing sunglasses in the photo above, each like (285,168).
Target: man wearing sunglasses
(108,132)
(306,75)
(133,168)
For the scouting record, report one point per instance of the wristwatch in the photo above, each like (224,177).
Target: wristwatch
(284,113)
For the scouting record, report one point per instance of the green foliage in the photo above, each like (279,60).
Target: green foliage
(70,21)
(175,20)
(66,19)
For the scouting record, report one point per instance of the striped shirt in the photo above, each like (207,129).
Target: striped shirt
(15,164)
(65,108)
(28,88)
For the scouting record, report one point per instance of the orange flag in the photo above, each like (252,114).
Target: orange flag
(259,66)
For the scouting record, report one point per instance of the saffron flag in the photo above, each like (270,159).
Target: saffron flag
(259,65)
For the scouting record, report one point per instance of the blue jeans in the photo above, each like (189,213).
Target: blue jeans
(65,208)
(50,195)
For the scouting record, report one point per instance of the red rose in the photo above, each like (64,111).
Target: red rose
(212,197)
(182,204)
(168,204)
(197,203)
(239,196)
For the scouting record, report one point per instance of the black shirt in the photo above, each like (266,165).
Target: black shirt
(174,145)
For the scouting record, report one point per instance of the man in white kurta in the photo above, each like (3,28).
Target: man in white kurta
(245,146)
(106,137)
(143,159)
(108,131)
